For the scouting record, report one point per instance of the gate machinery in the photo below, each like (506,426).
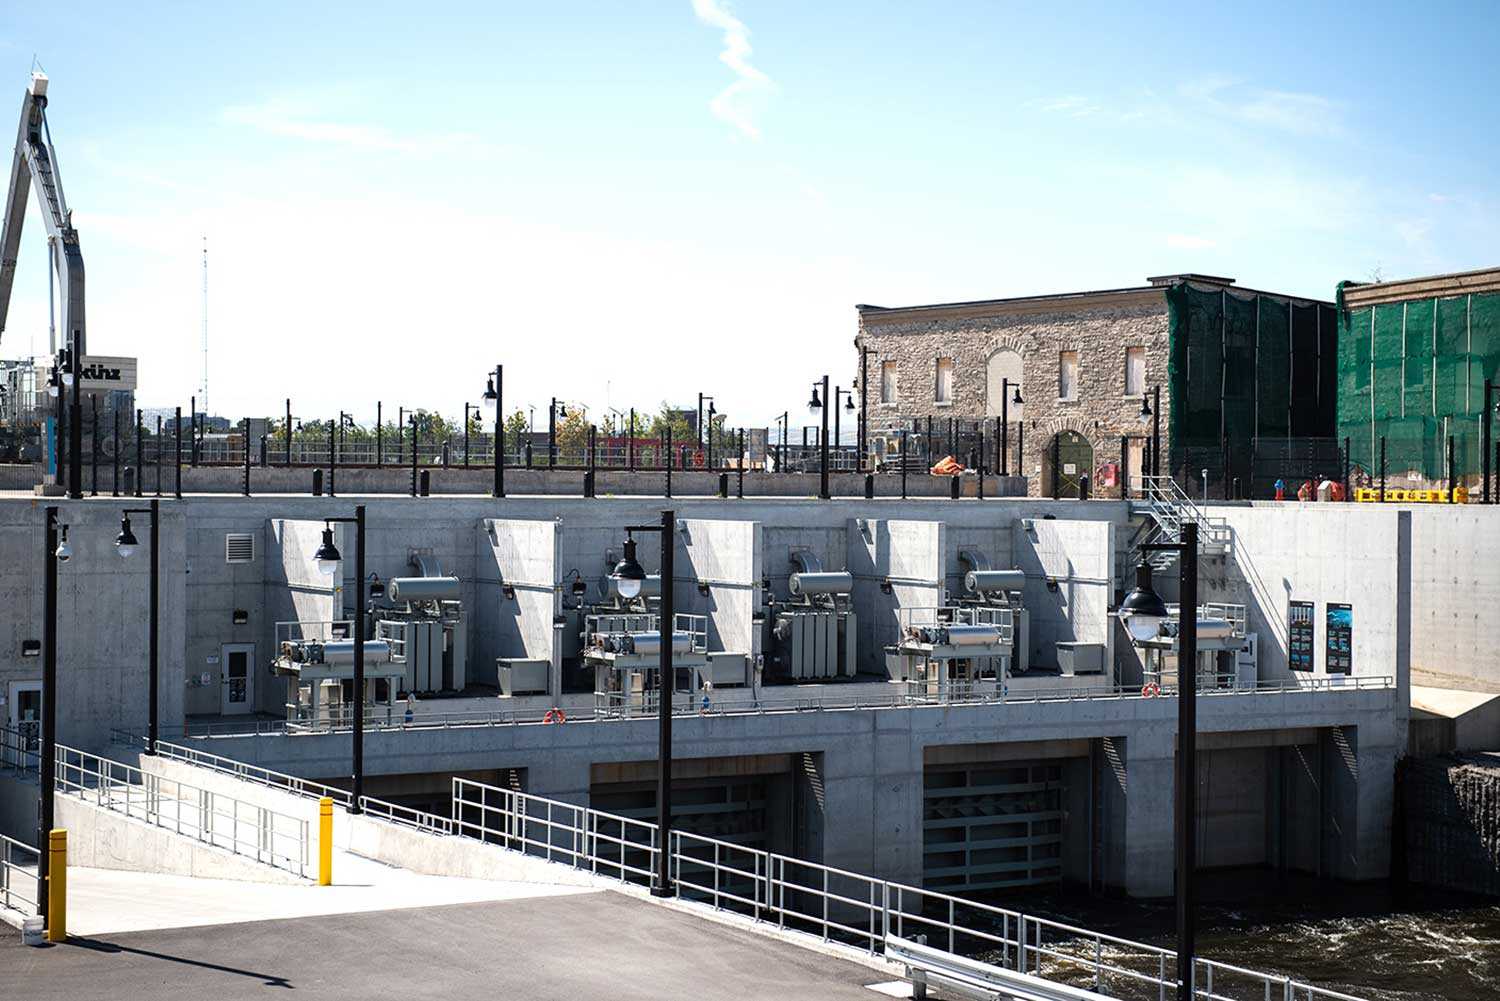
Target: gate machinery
(988,588)
(624,651)
(1227,651)
(423,621)
(570,634)
(955,653)
(317,661)
(810,636)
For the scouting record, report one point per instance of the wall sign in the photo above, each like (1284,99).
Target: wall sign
(1340,621)
(1300,640)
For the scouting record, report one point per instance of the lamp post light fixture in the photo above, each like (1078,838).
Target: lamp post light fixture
(1142,613)
(816,403)
(493,398)
(329,560)
(126,545)
(1005,401)
(628,576)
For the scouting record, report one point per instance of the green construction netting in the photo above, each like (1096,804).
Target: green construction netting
(1423,363)
(1249,366)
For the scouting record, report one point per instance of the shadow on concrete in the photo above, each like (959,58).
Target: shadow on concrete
(95,945)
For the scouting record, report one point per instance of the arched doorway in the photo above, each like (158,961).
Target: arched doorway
(1069,458)
(1002,365)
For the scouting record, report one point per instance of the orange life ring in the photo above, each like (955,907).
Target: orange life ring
(555,716)
(1150,690)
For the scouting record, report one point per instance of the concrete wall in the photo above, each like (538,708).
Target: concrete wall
(725,555)
(907,554)
(524,556)
(1070,584)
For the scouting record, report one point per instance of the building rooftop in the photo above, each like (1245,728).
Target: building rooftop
(1360,294)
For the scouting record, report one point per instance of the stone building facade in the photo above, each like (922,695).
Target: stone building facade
(1111,346)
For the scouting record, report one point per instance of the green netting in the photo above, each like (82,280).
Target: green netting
(1273,353)
(1239,369)
(1429,359)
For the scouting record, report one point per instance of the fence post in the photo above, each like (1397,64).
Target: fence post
(57,885)
(325,841)
(1382,468)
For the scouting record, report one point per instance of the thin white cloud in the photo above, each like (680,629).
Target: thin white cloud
(735,103)
(281,117)
(1074,105)
(1186,241)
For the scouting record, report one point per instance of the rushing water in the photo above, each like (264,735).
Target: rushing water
(1361,939)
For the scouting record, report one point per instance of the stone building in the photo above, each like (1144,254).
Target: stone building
(1083,364)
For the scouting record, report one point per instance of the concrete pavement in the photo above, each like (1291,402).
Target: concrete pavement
(559,948)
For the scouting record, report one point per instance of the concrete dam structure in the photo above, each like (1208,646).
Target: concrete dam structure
(837,718)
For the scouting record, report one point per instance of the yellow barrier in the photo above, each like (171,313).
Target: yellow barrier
(57,885)
(325,841)
(1403,495)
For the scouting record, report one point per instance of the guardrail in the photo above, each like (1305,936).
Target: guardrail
(238,769)
(18,871)
(252,831)
(748,702)
(926,966)
(405,816)
(18,751)
(851,908)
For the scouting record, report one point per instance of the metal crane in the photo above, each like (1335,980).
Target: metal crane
(36,161)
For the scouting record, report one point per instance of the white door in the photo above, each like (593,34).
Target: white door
(23,715)
(237,689)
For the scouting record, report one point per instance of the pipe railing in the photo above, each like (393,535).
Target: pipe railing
(211,817)
(19,884)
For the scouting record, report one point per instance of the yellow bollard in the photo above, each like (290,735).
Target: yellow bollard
(57,885)
(325,841)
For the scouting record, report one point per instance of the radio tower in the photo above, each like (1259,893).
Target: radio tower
(203,389)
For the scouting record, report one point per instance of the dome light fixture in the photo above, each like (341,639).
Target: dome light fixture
(64,547)
(1142,612)
(126,543)
(628,574)
(490,396)
(328,555)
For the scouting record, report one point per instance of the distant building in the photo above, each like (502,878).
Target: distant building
(1413,359)
(1235,367)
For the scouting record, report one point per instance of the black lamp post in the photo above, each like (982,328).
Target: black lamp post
(74,378)
(628,575)
(783,420)
(556,410)
(58,551)
(126,545)
(816,403)
(494,393)
(847,398)
(1142,613)
(1145,415)
(1156,431)
(329,560)
(864,409)
(1005,401)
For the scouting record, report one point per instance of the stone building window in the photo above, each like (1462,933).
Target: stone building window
(1067,375)
(1135,371)
(944,389)
(887,382)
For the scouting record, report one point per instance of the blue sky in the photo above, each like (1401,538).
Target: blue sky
(627,203)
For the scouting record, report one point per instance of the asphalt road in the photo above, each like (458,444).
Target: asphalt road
(574,948)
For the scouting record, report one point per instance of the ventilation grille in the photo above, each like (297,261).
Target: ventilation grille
(239,547)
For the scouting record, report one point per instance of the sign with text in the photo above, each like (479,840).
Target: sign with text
(1340,623)
(1300,631)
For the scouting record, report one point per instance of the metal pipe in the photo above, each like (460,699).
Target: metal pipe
(247,457)
(359,658)
(413,455)
(193,431)
(552,435)
(47,770)
(140,451)
(667,683)
(379,436)
(667,458)
(740,488)
(1382,468)
(823,457)
(1156,431)
(1187,767)
(288,431)
(177,465)
(903,463)
(864,398)
(333,456)
(498,489)
(75,423)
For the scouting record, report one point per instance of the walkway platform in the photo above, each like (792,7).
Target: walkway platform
(563,947)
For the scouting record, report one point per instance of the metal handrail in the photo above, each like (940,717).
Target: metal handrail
(275,839)
(727,702)
(18,751)
(16,874)
(838,905)
(252,773)
(406,816)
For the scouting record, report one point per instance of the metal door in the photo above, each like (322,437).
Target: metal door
(237,692)
(1072,458)
(23,714)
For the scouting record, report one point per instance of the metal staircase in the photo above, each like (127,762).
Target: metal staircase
(1167,507)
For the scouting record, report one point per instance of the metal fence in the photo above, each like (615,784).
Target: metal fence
(849,908)
(18,749)
(247,773)
(204,815)
(19,885)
